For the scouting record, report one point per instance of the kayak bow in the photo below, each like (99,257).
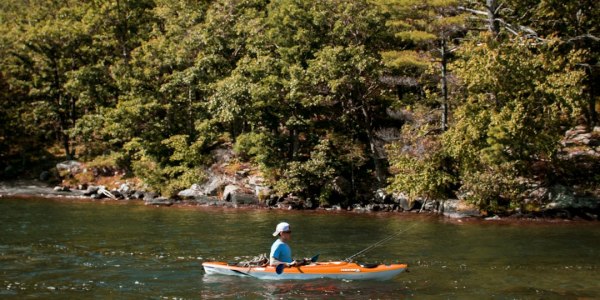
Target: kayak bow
(334,270)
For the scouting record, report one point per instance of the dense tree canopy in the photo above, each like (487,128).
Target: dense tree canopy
(433,98)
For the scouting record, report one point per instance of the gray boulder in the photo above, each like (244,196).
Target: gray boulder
(159,201)
(229,191)
(102,190)
(137,195)
(237,195)
(404,204)
(45,176)
(124,189)
(381,196)
(71,166)
(62,189)
(244,198)
(117,195)
(561,198)
(91,190)
(454,208)
(212,186)
(195,191)
(149,196)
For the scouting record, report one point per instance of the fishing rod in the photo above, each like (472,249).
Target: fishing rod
(379,243)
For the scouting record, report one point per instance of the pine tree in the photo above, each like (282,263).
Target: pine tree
(426,32)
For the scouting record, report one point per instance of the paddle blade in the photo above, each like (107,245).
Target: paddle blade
(314,258)
(279,269)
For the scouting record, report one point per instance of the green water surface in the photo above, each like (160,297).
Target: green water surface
(117,250)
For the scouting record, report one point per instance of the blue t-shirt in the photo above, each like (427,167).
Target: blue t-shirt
(281,251)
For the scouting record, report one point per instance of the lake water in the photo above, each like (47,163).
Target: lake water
(63,249)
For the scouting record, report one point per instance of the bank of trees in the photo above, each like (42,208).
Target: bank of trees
(330,98)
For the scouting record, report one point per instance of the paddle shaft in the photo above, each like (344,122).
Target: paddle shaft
(280,267)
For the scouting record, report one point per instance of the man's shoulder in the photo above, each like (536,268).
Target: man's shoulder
(279,243)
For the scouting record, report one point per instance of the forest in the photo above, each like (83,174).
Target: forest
(431,98)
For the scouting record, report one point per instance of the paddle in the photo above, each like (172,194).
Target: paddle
(280,267)
(314,258)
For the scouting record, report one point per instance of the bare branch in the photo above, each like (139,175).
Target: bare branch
(399,80)
(498,8)
(516,30)
(584,36)
(479,12)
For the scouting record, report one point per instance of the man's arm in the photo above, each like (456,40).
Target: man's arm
(274,262)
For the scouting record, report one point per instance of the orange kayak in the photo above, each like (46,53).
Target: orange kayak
(334,270)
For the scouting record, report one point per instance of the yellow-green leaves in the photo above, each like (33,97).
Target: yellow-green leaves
(518,96)
(407,62)
(420,166)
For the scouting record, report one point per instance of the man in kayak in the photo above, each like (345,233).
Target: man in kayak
(281,253)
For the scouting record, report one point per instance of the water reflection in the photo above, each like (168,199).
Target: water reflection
(218,287)
(57,250)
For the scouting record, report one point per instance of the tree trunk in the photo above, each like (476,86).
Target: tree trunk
(444,86)
(379,170)
(494,25)
(122,31)
(592,114)
(62,109)
(190,117)
(295,143)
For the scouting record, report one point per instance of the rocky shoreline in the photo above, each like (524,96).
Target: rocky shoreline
(452,209)
(245,187)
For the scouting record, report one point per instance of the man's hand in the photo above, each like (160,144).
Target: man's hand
(292,264)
